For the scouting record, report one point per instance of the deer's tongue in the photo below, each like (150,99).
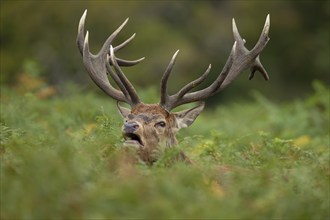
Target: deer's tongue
(132,139)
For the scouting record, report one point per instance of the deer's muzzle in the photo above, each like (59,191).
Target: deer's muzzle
(130,127)
(130,135)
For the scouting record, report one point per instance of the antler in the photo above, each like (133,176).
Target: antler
(99,65)
(240,59)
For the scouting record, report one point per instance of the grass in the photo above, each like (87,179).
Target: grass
(61,158)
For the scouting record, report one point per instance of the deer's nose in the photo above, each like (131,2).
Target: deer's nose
(130,127)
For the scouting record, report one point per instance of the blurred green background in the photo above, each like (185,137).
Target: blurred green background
(41,35)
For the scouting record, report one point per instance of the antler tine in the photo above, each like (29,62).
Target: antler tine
(105,47)
(80,35)
(239,41)
(240,58)
(98,65)
(194,83)
(182,97)
(98,74)
(126,83)
(257,66)
(263,39)
(122,62)
(122,45)
(116,78)
(245,58)
(108,42)
(163,84)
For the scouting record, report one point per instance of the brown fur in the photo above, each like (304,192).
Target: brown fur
(147,119)
(147,115)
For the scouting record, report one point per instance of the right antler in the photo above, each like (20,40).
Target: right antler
(99,65)
(239,60)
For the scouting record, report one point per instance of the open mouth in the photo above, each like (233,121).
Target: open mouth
(132,139)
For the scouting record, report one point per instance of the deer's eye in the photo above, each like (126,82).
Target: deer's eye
(161,124)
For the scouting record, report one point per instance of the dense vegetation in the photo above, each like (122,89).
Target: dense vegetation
(61,158)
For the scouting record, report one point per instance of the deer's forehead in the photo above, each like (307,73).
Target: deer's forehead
(150,112)
(146,117)
(153,109)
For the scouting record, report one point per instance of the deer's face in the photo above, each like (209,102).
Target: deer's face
(148,126)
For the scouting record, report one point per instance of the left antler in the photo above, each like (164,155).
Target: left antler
(239,60)
(99,65)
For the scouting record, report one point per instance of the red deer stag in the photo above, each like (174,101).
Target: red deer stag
(147,126)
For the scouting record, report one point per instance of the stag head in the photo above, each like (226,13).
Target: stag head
(147,126)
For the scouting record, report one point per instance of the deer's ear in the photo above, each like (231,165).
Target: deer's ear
(123,111)
(187,117)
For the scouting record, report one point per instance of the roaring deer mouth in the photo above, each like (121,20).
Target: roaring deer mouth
(132,139)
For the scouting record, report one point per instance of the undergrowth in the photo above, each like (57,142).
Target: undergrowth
(61,158)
